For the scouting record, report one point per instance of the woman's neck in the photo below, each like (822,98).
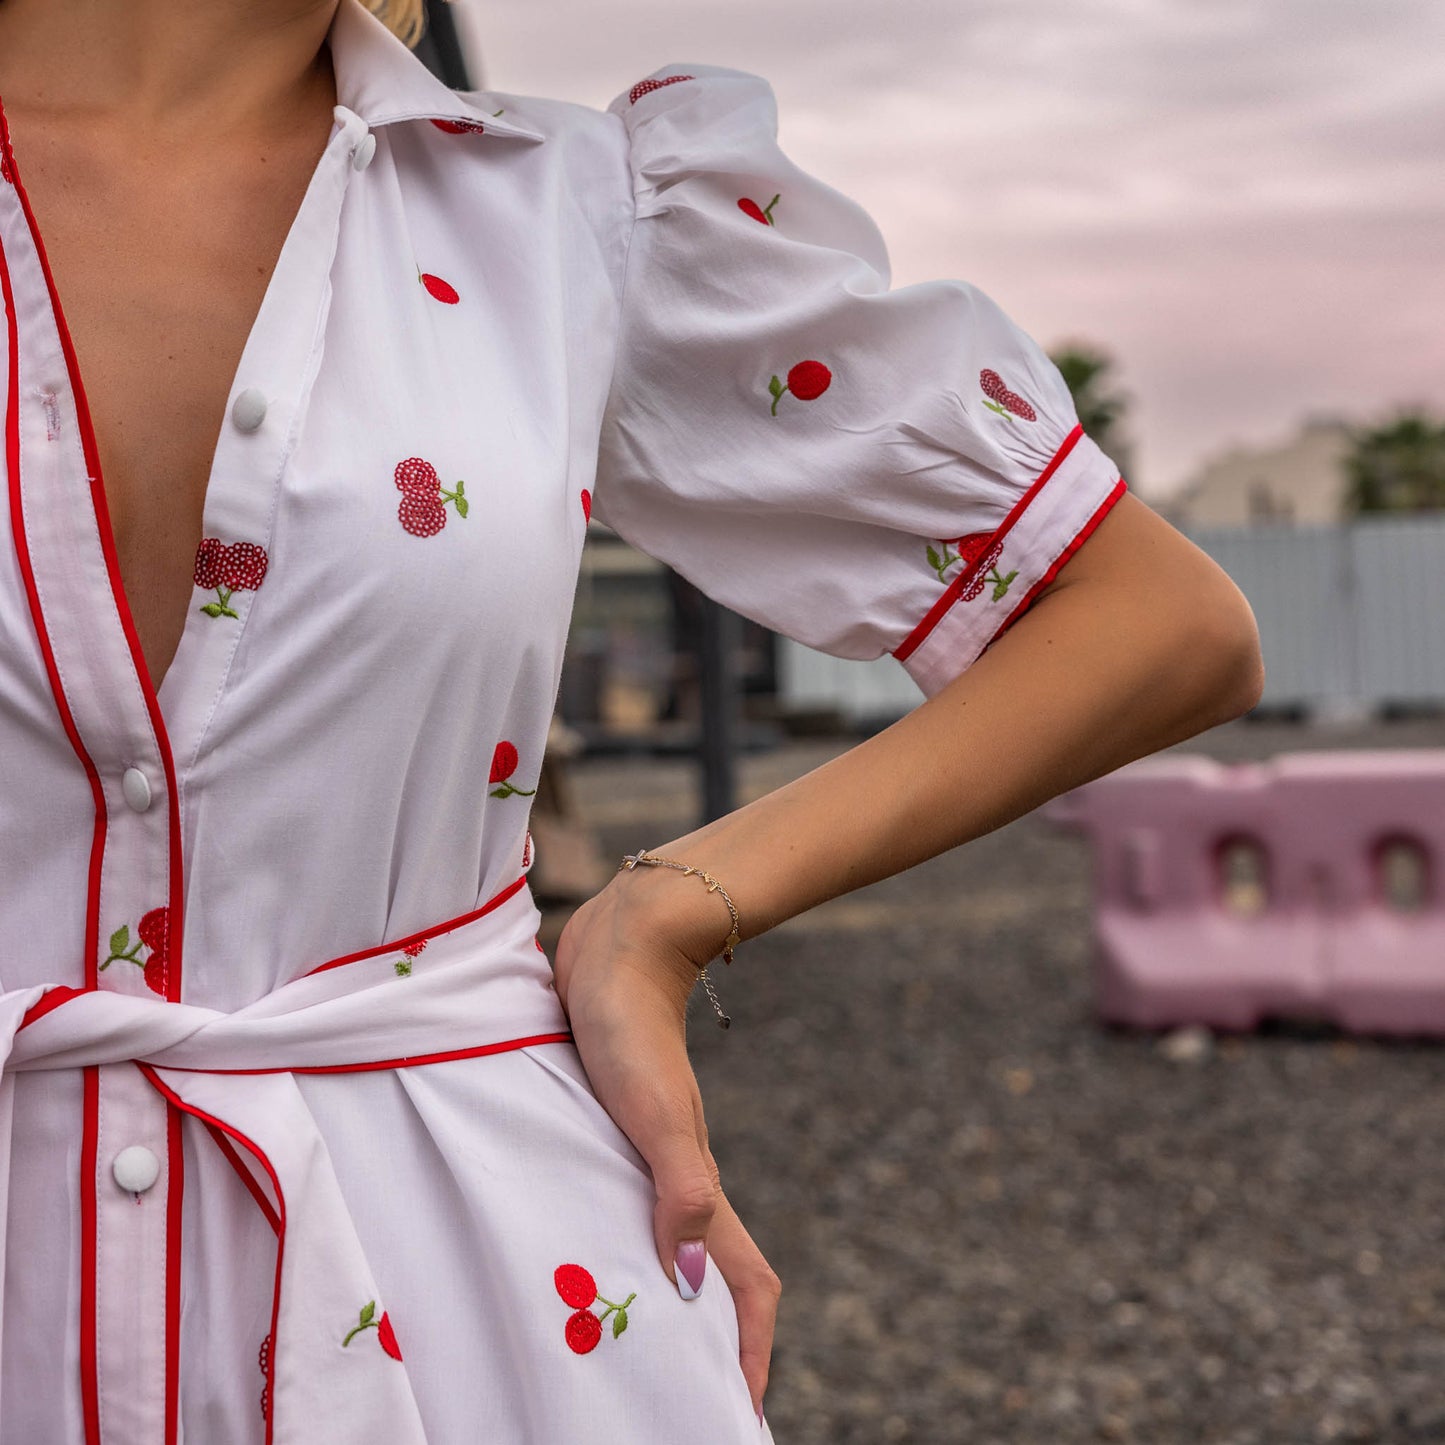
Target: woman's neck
(207,66)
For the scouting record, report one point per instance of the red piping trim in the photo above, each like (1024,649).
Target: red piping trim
(952,592)
(90,1107)
(174,1099)
(89,1162)
(175,1191)
(117,586)
(495,901)
(408,1061)
(1080,537)
(247,1178)
(49,1002)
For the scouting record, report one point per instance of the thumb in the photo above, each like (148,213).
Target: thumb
(687,1191)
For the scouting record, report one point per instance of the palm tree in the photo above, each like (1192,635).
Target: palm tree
(1397,466)
(1088,373)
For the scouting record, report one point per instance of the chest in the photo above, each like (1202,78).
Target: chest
(161,260)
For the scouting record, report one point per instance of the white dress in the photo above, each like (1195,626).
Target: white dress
(252,1197)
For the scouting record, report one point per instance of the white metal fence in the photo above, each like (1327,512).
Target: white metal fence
(1350,618)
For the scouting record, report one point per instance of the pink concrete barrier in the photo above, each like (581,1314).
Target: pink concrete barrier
(1307,887)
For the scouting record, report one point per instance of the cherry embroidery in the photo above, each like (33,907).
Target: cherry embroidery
(579,1290)
(504,764)
(264,1360)
(970,548)
(382,1326)
(422,510)
(463,127)
(1000,584)
(151,932)
(443,290)
(241,567)
(403,964)
(807,381)
(1004,401)
(759,213)
(586,505)
(645,87)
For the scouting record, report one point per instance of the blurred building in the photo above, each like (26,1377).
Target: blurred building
(1301,481)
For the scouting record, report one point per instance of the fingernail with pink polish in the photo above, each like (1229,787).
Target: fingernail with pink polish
(690,1261)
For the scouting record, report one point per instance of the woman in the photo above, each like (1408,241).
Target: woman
(303,1142)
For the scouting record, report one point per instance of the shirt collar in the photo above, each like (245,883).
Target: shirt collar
(382,81)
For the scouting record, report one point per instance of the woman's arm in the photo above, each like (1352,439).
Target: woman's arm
(1140,642)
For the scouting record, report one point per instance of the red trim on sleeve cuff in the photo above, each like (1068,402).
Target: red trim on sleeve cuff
(1080,537)
(954,590)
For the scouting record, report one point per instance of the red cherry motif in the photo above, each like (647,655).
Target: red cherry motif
(460,127)
(422,509)
(575,1285)
(403,964)
(586,505)
(645,87)
(970,548)
(1002,400)
(387,1336)
(504,764)
(422,516)
(264,1360)
(384,1332)
(807,381)
(241,567)
(415,475)
(584,1330)
(442,290)
(579,1290)
(976,583)
(751,208)
(152,933)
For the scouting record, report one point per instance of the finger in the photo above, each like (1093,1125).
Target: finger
(755,1290)
(641,1074)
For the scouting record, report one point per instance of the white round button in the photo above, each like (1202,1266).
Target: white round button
(365,149)
(136,1169)
(136,788)
(248,410)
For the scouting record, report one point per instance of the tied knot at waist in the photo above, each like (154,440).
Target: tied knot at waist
(481,986)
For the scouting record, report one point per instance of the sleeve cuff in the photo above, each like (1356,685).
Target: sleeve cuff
(1043,529)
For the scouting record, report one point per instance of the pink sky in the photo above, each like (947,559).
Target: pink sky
(1244,201)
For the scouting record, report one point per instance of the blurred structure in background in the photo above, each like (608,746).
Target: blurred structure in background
(1303,888)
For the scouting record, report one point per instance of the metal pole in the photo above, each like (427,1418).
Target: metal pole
(718,698)
(441,47)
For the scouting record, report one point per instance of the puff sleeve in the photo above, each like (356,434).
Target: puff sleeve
(865,470)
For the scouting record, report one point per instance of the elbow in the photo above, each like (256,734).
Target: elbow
(1226,650)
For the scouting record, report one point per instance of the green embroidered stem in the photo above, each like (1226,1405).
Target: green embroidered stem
(1000,584)
(118,950)
(620,1323)
(368,1322)
(776,387)
(943,563)
(768,209)
(506,791)
(458,496)
(403,967)
(221,608)
(1001,410)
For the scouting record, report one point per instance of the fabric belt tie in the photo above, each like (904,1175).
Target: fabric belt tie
(480,986)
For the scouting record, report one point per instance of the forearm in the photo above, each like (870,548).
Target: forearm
(1109,668)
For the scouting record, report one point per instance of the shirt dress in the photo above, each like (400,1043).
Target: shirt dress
(294,1145)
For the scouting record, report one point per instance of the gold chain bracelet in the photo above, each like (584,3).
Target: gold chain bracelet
(642,856)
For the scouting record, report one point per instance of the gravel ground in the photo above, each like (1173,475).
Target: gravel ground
(999,1223)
